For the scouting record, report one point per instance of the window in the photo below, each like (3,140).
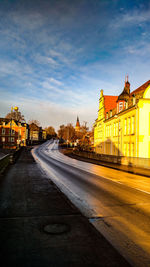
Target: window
(125,126)
(128,149)
(114,129)
(117,129)
(129,125)
(12,131)
(3,139)
(125,149)
(120,106)
(111,130)
(3,131)
(132,150)
(11,139)
(108,130)
(132,124)
(114,149)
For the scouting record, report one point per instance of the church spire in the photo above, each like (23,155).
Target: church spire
(77,127)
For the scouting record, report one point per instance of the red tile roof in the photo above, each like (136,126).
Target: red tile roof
(141,88)
(110,102)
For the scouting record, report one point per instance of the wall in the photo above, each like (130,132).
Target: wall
(125,161)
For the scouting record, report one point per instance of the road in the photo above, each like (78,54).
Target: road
(117,203)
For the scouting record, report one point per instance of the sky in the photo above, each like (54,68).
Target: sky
(56,55)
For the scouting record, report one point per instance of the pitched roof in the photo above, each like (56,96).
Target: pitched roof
(110,102)
(34,127)
(141,88)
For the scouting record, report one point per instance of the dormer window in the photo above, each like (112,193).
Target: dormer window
(126,104)
(106,115)
(120,106)
(134,99)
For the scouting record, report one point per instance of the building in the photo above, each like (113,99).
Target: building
(123,124)
(13,133)
(44,135)
(35,133)
(77,127)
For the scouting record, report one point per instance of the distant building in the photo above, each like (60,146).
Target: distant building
(123,124)
(13,133)
(35,133)
(44,135)
(77,127)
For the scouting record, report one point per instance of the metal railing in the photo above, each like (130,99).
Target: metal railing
(9,159)
(4,162)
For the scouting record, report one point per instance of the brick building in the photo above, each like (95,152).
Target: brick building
(13,133)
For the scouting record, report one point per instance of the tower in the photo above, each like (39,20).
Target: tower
(77,127)
(124,96)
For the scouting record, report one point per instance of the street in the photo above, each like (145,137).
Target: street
(117,203)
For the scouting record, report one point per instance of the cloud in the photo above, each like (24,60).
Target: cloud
(54,81)
(130,18)
(49,113)
(41,59)
(55,56)
(15,68)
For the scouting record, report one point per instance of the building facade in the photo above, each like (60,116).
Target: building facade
(123,124)
(36,133)
(13,133)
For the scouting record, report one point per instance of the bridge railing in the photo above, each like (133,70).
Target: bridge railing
(4,162)
(9,159)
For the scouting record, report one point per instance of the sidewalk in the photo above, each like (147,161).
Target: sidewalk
(126,168)
(40,227)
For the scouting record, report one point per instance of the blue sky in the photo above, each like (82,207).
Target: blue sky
(55,56)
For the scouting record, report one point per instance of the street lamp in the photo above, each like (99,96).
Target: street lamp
(10,131)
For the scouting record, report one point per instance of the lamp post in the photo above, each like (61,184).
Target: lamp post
(10,131)
(118,136)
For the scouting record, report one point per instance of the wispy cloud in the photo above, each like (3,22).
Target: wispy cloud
(57,55)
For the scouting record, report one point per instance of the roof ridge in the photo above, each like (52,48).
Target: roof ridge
(140,88)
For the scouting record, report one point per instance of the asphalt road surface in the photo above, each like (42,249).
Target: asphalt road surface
(117,203)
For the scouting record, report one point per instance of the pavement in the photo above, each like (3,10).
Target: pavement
(40,227)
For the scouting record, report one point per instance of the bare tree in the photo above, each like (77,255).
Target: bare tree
(61,131)
(15,115)
(67,132)
(50,132)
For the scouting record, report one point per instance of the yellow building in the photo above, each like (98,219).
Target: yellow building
(13,133)
(123,124)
